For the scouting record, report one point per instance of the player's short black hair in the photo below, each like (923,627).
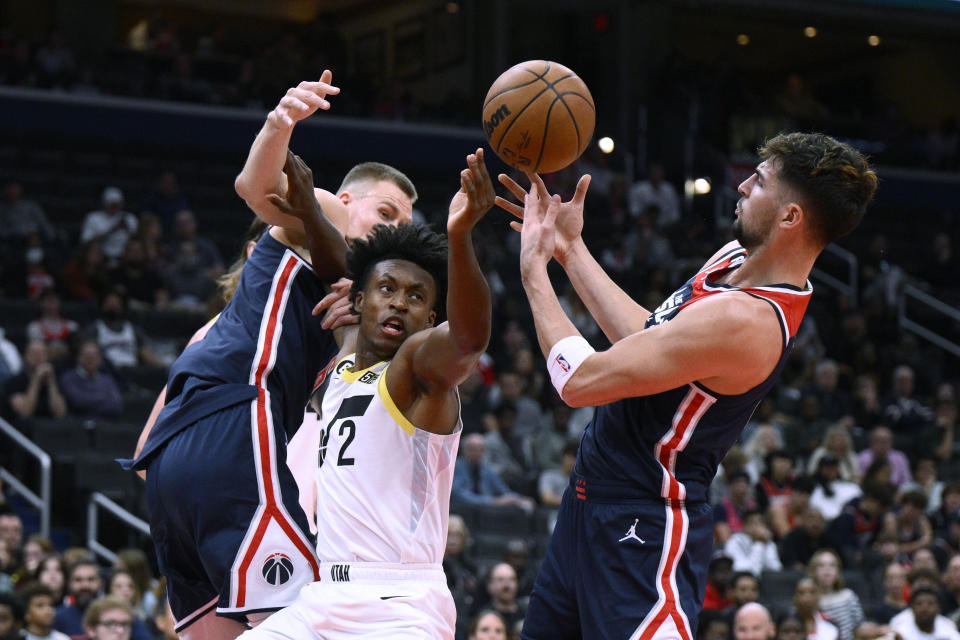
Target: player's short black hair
(412,242)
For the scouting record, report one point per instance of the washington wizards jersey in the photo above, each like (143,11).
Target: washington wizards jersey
(266,341)
(669,444)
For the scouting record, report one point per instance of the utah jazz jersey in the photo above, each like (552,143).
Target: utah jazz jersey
(669,445)
(266,341)
(383,485)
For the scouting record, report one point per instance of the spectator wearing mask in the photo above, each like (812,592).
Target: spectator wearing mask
(121,343)
(831,493)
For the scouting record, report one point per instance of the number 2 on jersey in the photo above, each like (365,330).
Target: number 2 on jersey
(352,407)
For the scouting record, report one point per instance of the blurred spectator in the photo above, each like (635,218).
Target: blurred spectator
(11,535)
(89,391)
(85,277)
(784,516)
(34,550)
(715,626)
(21,218)
(941,264)
(834,401)
(855,530)
(776,480)
(801,543)
(579,314)
(474,482)
(38,277)
(744,589)
(922,621)
(111,618)
(474,404)
(508,452)
(516,553)
(136,563)
(164,200)
(655,191)
(502,593)
(150,233)
(894,584)
(881,447)
(553,482)
(511,388)
(136,280)
(719,572)
(11,616)
(841,605)
(53,574)
(948,509)
(905,414)
(51,327)
(867,410)
(111,226)
(40,610)
(806,602)
(831,493)
(204,253)
(549,443)
(10,362)
(790,627)
(764,439)
(488,625)
(55,63)
(645,245)
(34,391)
(122,344)
(839,444)
(83,587)
(753,548)
(950,588)
(804,432)
(189,284)
(910,523)
(752,622)
(728,514)
(121,585)
(460,570)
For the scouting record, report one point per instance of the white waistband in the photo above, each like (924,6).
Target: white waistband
(354,571)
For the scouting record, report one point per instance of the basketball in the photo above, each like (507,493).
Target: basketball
(538,116)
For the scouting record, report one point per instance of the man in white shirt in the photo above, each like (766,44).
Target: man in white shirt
(922,621)
(111,225)
(655,191)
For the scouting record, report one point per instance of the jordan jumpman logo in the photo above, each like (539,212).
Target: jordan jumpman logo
(632,533)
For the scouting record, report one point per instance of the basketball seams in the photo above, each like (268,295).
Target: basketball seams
(532,100)
(519,86)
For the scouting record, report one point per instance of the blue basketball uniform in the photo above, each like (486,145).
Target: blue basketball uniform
(628,557)
(223,507)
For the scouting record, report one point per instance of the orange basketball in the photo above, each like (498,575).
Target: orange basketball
(539,116)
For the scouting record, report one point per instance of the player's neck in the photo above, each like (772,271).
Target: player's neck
(774,263)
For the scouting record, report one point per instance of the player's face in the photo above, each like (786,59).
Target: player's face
(396,302)
(373,203)
(763,195)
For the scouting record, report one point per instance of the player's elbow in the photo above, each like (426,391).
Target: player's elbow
(242,186)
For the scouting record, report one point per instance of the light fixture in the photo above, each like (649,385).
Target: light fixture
(606,144)
(743,39)
(810,32)
(873,40)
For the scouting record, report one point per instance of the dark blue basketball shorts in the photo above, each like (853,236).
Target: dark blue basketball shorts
(621,568)
(224,516)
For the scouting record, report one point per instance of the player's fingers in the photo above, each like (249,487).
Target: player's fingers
(309,97)
(512,186)
(537,181)
(550,219)
(293,104)
(509,207)
(516,226)
(582,185)
(279,202)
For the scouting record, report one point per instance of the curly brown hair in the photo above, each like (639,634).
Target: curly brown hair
(833,180)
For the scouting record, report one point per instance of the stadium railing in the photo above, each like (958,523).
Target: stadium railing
(99,501)
(40,501)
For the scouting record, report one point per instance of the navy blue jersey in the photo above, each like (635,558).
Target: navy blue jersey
(266,338)
(669,444)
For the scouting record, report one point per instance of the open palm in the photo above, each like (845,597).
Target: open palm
(569,223)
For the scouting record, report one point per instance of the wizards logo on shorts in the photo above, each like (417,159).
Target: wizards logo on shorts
(562,362)
(277,569)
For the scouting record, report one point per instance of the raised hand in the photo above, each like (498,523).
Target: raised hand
(538,232)
(299,201)
(475,197)
(569,224)
(303,101)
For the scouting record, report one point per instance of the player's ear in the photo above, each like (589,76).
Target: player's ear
(791,215)
(358,302)
(345,197)
(432,318)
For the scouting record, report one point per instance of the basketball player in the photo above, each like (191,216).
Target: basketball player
(675,388)
(391,419)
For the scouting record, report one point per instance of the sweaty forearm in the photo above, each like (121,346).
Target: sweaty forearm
(262,173)
(468,296)
(616,313)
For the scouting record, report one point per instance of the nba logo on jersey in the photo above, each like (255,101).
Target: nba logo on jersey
(563,363)
(277,569)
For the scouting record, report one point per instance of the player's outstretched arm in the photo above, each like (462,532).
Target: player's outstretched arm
(328,249)
(616,313)
(449,352)
(262,174)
